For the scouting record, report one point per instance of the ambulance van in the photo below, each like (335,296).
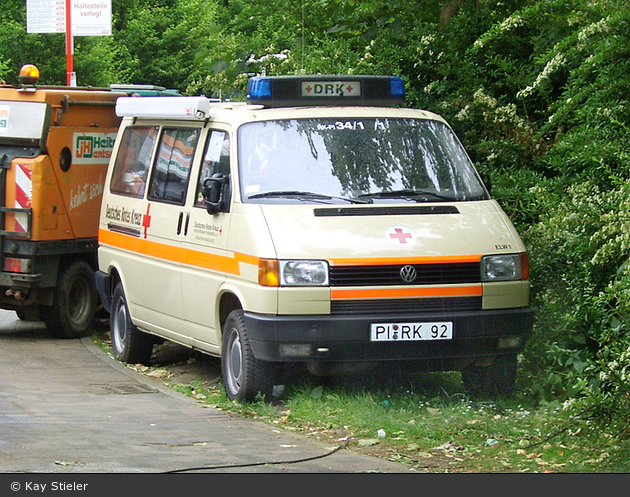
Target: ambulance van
(55,145)
(318,225)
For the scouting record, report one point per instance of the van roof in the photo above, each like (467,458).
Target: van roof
(278,92)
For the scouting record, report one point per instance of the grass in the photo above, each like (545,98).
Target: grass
(435,432)
(423,421)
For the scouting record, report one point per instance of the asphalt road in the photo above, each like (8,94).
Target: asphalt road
(67,407)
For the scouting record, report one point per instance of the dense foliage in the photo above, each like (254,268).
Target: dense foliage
(536,90)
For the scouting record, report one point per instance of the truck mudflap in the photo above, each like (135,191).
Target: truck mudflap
(475,335)
(104,288)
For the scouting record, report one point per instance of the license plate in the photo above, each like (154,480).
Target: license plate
(410,332)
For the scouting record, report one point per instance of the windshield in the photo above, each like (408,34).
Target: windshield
(356,160)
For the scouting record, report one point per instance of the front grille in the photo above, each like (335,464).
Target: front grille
(390,275)
(406,306)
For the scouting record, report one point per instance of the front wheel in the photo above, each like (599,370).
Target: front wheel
(129,344)
(493,381)
(74,302)
(244,376)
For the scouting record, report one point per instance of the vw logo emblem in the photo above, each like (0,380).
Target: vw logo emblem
(408,274)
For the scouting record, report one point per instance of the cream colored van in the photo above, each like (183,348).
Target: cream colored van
(320,225)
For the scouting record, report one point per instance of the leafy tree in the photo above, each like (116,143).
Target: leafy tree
(158,40)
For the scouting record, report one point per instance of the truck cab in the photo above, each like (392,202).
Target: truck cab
(55,144)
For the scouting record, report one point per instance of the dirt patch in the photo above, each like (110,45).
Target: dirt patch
(185,365)
(181,365)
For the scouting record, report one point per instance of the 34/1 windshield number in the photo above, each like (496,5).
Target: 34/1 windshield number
(340,125)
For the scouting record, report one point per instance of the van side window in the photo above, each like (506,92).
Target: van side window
(133,160)
(169,178)
(216,160)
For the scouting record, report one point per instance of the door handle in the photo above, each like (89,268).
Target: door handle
(179,223)
(187,221)
(182,222)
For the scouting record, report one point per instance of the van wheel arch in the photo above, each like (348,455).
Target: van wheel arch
(115,279)
(229,302)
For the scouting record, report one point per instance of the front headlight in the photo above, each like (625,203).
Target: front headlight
(303,273)
(501,267)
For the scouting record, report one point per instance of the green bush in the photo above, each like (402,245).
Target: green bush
(581,278)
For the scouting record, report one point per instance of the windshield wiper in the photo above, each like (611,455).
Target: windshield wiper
(300,195)
(416,195)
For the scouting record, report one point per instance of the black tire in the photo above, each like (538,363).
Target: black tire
(74,302)
(494,381)
(244,376)
(129,344)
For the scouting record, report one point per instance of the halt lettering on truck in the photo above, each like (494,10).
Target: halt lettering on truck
(93,148)
(86,192)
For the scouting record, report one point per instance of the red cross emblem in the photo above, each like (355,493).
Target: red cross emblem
(146,220)
(400,235)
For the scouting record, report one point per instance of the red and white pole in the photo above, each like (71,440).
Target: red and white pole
(70,76)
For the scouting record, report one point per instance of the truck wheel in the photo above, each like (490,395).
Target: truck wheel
(244,376)
(129,344)
(493,381)
(74,302)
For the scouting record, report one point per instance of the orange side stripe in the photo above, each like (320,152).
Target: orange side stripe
(406,260)
(368,293)
(231,265)
(139,245)
(188,257)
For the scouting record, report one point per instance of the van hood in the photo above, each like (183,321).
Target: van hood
(344,233)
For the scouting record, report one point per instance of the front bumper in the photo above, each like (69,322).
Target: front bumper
(325,338)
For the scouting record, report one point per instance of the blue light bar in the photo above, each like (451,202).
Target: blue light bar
(397,87)
(326,90)
(260,88)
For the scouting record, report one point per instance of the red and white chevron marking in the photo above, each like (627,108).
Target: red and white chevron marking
(23,195)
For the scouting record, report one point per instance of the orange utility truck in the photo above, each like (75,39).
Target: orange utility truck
(55,144)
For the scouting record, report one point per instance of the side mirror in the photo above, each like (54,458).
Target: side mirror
(216,193)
